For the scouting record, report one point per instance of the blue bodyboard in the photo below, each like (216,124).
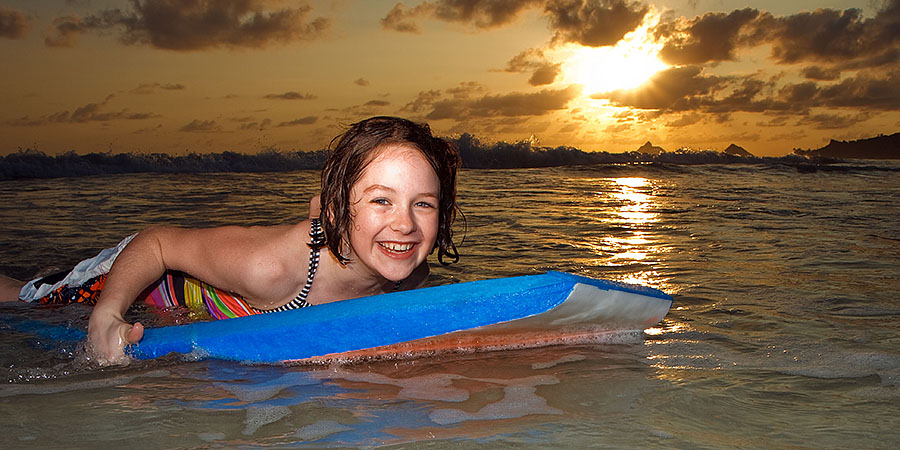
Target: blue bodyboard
(544,303)
(388,319)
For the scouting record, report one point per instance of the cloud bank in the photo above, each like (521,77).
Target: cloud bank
(13,24)
(196,25)
(91,112)
(841,61)
(587,22)
(290,95)
(470,100)
(824,36)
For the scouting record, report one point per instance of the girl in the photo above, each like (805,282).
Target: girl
(388,199)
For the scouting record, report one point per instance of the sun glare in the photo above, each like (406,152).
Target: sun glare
(628,64)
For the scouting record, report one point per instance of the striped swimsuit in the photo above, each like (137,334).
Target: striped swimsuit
(173,289)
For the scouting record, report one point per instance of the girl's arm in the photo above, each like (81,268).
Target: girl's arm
(246,261)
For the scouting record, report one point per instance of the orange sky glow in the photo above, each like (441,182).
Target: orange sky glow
(179,76)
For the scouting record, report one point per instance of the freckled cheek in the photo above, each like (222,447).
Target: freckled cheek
(364,221)
(429,227)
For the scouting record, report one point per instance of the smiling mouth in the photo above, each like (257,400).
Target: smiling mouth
(396,247)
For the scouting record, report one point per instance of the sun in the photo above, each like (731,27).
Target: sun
(626,65)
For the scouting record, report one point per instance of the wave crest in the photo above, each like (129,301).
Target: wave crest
(30,163)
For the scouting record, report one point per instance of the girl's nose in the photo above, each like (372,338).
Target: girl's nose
(402,221)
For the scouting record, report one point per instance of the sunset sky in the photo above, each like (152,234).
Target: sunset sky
(179,76)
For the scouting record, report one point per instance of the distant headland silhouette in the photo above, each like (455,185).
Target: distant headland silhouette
(649,149)
(879,147)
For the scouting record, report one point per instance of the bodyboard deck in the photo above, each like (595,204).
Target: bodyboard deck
(486,310)
(513,312)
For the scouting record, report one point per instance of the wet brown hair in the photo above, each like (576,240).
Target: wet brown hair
(352,152)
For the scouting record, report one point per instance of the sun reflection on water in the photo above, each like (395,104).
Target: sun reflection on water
(635,201)
(629,211)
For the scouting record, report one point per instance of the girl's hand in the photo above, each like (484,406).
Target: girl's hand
(108,334)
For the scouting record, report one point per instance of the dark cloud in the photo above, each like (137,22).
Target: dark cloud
(821,73)
(840,40)
(675,89)
(526,61)
(828,35)
(196,25)
(587,22)
(543,71)
(291,95)
(545,74)
(150,88)
(890,57)
(688,89)
(593,23)
(864,91)
(361,82)
(685,120)
(254,125)
(832,43)
(799,93)
(426,100)
(91,112)
(467,89)
(423,100)
(505,105)
(65,31)
(747,94)
(201,126)
(401,19)
(308,120)
(777,121)
(13,24)
(368,108)
(482,13)
(711,37)
(833,121)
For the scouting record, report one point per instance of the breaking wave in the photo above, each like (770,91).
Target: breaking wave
(30,163)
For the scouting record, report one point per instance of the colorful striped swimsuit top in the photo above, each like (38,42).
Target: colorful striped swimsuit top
(177,288)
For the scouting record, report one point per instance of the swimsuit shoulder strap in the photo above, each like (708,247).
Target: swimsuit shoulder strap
(317,237)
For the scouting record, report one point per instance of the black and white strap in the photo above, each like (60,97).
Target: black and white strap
(318,239)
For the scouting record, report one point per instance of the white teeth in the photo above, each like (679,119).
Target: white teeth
(396,247)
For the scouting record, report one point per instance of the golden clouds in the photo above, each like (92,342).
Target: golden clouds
(13,24)
(196,25)
(593,23)
(598,74)
(514,104)
(586,22)
(90,112)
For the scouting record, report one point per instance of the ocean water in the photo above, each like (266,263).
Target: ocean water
(785,331)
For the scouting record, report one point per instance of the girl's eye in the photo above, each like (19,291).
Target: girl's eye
(381,201)
(424,205)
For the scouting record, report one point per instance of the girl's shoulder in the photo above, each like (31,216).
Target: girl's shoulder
(273,236)
(275,261)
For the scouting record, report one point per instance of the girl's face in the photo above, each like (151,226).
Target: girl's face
(394,206)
